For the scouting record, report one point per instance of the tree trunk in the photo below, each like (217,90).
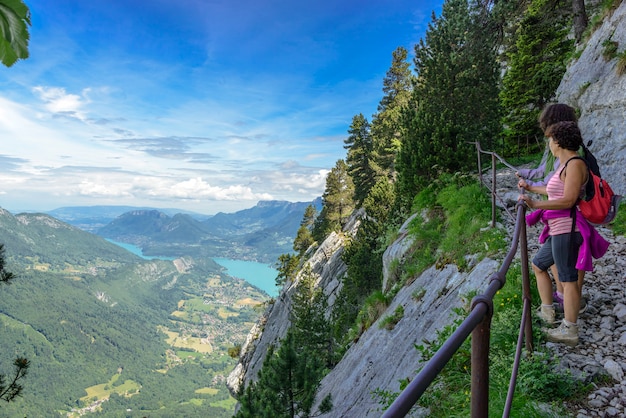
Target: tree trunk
(580,18)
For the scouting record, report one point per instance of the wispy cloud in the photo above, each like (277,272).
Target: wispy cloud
(206,106)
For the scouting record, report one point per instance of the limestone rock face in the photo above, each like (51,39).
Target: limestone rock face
(327,265)
(382,357)
(592,85)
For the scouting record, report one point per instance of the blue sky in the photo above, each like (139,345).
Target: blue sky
(202,105)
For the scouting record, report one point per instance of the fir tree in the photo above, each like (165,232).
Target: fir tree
(364,258)
(536,67)
(290,375)
(338,202)
(359,145)
(454,100)
(304,238)
(387,125)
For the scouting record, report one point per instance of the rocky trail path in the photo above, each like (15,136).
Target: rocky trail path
(601,349)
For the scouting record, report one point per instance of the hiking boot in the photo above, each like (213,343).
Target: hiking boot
(583,305)
(565,334)
(546,314)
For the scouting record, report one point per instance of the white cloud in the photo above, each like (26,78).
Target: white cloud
(58,101)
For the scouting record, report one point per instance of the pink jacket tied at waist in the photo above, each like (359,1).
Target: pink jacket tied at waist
(594,245)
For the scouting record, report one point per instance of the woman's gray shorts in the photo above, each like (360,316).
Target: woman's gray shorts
(556,250)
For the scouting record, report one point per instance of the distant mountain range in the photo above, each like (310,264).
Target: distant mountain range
(92,218)
(260,233)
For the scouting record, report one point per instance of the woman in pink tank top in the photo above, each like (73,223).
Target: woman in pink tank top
(563,191)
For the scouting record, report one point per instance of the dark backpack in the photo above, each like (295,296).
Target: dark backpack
(599,204)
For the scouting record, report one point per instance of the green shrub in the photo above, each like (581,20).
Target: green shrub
(621,63)
(619,224)
(390,321)
(609,49)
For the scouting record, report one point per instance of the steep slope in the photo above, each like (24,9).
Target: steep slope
(380,358)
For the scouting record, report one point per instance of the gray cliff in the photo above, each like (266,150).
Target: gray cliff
(593,86)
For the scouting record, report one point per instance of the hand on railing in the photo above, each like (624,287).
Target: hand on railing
(522,185)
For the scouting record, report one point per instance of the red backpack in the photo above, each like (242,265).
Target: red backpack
(599,204)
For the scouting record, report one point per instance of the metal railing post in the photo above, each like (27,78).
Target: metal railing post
(480,168)
(523,245)
(480,361)
(493,191)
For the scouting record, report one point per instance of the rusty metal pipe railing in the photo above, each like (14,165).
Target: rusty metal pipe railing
(478,324)
(494,195)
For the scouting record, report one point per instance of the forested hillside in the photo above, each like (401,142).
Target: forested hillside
(105,330)
(483,72)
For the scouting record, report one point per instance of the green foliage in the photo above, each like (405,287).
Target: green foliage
(538,379)
(235,351)
(387,126)
(5,276)
(360,148)
(389,322)
(287,268)
(619,223)
(609,49)
(536,66)
(468,214)
(338,202)
(310,327)
(13,388)
(621,63)
(373,307)
(83,309)
(14,22)
(363,257)
(454,101)
(418,294)
(289,378)
(304,239)
(455,213)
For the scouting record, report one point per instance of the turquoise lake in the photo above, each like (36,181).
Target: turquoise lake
(257,274)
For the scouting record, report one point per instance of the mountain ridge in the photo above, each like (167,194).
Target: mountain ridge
(261,233)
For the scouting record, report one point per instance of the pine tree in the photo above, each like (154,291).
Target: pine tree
(363,257)
(359,145)
(536,67)
(454,100)
(310,326)
(291,374)
(304,238)
(287,268)
(337,200)
(387,125)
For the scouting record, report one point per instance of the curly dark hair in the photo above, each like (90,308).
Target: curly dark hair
(556,112)
(566,135)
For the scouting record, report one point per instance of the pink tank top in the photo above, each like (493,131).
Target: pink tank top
(556,189)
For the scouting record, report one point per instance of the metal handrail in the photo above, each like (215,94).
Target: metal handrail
(478,324)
